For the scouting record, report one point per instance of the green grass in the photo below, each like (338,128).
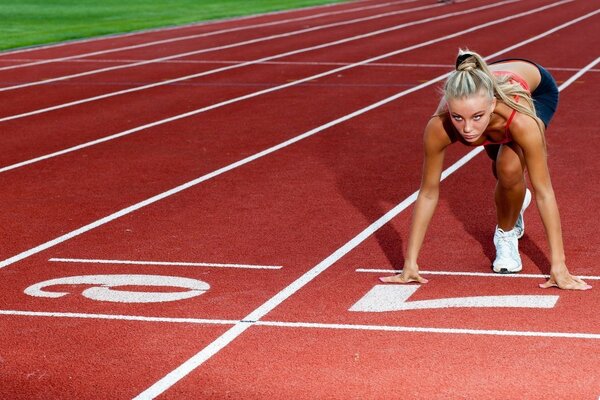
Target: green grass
(34,22)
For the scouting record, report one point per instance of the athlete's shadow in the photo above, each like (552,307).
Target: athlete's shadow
(374,171)
(480,224)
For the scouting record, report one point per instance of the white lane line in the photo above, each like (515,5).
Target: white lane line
(290,84)
(196,36)
(254,317)
(475,274)
(162,263)
(176,27)
(211,49)
(252,62)
(418,329)
(325,63)
(180,188)
(302,325)
(118,317)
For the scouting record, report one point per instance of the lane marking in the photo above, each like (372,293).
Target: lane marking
(297,63)
(417,329)
(221,342)
(222,69)
(164,263)
(307,79)
(117,317)
(196,36)
(303,325)
(223,47)
(386,298)
(102,285)
(476,274)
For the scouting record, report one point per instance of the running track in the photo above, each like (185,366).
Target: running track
(240,185)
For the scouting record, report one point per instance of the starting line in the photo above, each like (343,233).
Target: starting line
(309,325)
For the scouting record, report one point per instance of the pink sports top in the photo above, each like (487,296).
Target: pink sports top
(518,79)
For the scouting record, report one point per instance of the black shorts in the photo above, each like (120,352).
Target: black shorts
(545,100)
(545,96)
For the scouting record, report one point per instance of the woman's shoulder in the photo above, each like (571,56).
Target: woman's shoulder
(439,132)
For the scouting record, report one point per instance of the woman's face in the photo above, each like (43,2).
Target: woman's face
(471,115)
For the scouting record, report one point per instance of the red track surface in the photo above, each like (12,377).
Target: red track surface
(294,208)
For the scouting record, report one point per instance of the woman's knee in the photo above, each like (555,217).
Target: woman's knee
(509,168)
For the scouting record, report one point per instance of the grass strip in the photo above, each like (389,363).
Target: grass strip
(35,22)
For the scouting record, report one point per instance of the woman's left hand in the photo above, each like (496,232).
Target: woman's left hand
(561,278)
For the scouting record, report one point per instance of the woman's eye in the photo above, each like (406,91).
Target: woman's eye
(457,118)
(477,117)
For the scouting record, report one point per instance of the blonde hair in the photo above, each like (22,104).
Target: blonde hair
(473,75)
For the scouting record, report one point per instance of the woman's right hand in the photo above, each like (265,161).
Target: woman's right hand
(410,273)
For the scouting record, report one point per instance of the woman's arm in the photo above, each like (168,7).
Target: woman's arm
(527,135)
(435,142)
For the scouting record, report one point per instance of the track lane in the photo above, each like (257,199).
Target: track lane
(128,79)
(78,123)
(393,366)
(269,36)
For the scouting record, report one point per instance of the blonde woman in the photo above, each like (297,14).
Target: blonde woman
(504,106)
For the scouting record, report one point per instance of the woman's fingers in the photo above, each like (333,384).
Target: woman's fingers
(400,278)
(570,283)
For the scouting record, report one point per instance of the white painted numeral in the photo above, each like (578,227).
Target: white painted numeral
(104,284)
(382,298)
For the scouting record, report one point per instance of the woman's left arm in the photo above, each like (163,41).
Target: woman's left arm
(528,136)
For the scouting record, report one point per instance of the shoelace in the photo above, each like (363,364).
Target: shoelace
(505,247)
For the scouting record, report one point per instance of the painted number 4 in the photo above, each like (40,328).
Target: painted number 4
(382,298)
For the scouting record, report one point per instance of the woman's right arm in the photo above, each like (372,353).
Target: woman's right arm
(435,141)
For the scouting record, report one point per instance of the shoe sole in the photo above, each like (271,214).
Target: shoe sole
(506,271)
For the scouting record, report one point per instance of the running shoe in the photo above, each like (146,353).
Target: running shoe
(508,260)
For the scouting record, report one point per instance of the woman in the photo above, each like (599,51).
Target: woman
(505,107)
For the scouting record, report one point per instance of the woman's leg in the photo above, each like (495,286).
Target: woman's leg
(509,169)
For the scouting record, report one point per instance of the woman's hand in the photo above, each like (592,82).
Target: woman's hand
(408,274)
(561,278)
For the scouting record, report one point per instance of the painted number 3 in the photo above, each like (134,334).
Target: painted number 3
(103,288)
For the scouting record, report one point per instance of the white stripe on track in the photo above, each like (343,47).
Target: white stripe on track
(172,28)
(253,318)
(163,263)
(200,35)
(475,274)
(180,188)
(118,317)
(217,48)
(294,83)
(302,325)
(418,329)
(326,63)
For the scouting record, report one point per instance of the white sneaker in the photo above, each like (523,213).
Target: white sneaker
(520,225)
(508,260)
